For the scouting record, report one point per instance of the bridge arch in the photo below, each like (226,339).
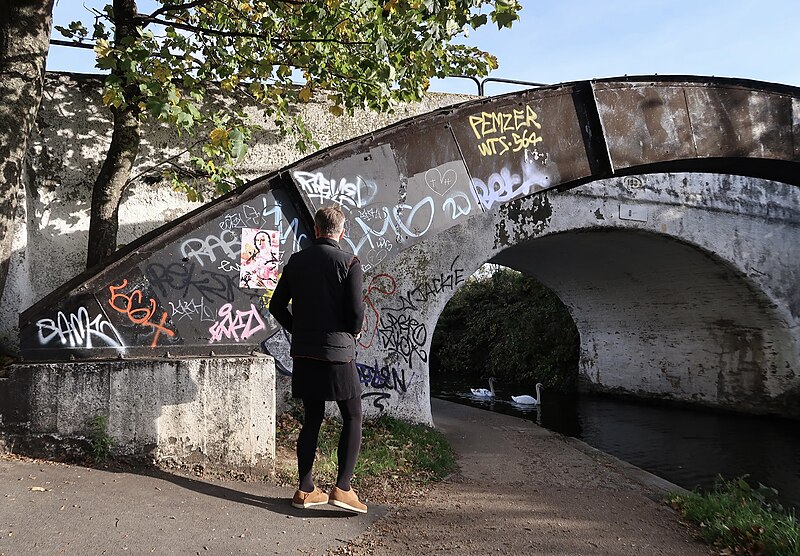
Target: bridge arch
(681,304)
(471,180)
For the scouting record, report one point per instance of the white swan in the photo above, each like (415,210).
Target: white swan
(530,400)
(483,392)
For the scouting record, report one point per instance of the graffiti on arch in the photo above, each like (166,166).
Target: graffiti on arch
(394,195)
(210,284)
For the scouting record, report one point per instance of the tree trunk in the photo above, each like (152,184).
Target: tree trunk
(24,39)
(122,153)
(109,185)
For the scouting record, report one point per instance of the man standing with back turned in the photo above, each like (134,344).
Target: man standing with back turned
(324,286)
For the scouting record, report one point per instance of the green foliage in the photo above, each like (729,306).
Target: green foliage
(364,53)
(394,453)
(100,443)
(508,326)
(393,446)
(740,519)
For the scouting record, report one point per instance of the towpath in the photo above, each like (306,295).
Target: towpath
(520,489)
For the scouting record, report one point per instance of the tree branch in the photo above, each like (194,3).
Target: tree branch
(165,161)
(237,34)
(175,7)
(73,44)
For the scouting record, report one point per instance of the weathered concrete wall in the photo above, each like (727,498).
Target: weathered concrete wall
(65,156)
(216,412)
(695,299)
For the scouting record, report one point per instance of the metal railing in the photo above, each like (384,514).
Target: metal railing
(481,83)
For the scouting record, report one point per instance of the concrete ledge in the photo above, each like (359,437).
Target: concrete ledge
(216,412)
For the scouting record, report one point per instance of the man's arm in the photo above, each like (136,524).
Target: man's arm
(353,300)
(279,304)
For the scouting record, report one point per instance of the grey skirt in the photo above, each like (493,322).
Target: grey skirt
(313,379)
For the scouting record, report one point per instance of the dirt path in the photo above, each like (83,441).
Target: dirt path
(524,490)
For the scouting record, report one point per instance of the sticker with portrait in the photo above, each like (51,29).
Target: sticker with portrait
(260,259)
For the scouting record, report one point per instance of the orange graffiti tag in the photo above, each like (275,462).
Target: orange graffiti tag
(139,313)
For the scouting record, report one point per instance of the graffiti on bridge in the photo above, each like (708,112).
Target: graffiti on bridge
(506,131)
(385,380)
(139,311)
(238,327)
(79,330)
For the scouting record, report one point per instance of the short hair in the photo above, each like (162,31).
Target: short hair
(329,221)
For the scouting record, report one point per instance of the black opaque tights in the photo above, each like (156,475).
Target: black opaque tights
(349,441)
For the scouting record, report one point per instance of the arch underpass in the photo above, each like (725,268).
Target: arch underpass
(664,211)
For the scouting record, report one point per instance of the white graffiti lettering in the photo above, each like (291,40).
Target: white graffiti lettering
(199,248)
(238,327)
(458,205)
(229,266)
(190,308)
(370,213)
(504,186)
(409,222)
(231,221)
(440,183)
(77,330)
(252,216)
(342,192)
(277,222)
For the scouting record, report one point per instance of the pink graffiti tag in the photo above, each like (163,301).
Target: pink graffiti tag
(139,312)
(239,327)
(386,285)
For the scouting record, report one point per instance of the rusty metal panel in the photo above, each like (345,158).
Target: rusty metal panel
(436,180)
(644,124)
(796,129)
(395,193)
(365,184)
(521,144)
(738,122)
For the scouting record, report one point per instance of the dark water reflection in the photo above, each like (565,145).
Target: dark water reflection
(687,447)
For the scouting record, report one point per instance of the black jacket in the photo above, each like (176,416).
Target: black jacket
(324,286)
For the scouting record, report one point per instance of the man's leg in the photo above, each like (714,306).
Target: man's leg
(349,440)
(307,442)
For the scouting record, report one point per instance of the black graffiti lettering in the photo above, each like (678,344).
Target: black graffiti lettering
(212,286)
(379,397)
(403,335)
(382,378)
(443,282)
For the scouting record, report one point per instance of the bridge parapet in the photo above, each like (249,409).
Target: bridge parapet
(200,285)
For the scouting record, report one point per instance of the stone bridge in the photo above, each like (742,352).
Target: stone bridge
(665,213)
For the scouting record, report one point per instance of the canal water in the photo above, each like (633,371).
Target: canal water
(685,446)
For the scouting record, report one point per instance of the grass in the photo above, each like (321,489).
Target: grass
(737,518)
(101,444)
(397,458)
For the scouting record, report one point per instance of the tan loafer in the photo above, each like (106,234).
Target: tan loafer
(347,499)
(302,500)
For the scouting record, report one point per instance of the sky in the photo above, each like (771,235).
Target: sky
(558,41)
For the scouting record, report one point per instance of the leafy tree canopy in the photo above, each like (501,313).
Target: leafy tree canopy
(362,53)
(509,326)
